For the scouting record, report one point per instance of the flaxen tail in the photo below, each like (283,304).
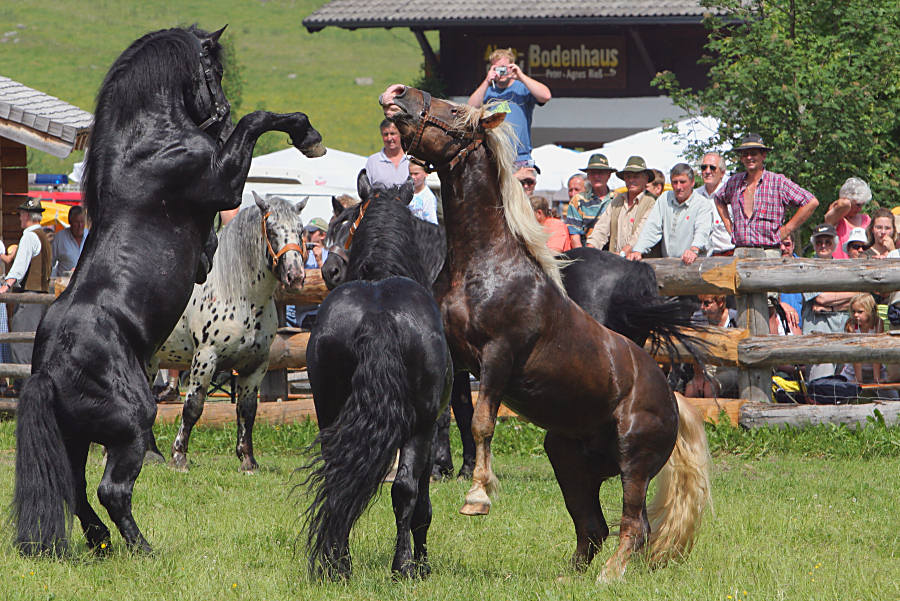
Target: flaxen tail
(44,495)
(683,490)
(357,450)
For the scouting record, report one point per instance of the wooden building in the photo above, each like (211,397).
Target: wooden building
(597,57)
(32,119)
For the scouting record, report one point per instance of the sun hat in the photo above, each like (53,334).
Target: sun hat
(857,234)
(32,205)
(636,164)
(752,142)
(316,223)
(824,229)
(598,162)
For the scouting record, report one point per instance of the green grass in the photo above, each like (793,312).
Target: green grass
(789,523)
(64,48)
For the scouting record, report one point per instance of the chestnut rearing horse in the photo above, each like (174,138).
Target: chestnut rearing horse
(603,400)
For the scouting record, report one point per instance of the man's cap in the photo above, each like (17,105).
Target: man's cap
(752,142)
(599,162)
(857,234)
(636,164)
(32,205)
(316,223)
(824,229)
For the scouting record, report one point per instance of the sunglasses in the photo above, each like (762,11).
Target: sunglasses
(705,303)
(528,182)
(708,167)
(856,246)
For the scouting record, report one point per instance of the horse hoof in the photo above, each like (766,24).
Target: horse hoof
(153,457)
(475,509)
(465,472)
(249,467)
(179,463)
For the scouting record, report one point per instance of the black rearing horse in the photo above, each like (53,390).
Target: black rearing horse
(163,159)
(380,372)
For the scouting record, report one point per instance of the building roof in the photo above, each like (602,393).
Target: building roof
(41,121)
(427,14)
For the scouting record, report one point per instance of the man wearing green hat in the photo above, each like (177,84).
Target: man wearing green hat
(621,224)
(586,207)
(30,272)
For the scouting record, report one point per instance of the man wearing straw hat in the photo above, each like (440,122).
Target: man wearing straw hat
(758,200)
(30,272)
(621,224)
(585,207)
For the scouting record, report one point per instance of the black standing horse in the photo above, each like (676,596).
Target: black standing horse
(604,402)
(380,373)
(163,159)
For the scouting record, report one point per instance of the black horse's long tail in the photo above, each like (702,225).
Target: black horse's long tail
(356,451)
(44,495)
(666,322)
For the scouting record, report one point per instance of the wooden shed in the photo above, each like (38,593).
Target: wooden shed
(32,119)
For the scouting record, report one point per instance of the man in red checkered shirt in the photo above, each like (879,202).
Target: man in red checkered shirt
(758,200)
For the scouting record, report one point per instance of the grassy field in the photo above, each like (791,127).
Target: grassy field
(64,48)
(807,515)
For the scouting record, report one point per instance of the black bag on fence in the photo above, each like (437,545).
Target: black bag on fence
(894,314)
(832,390)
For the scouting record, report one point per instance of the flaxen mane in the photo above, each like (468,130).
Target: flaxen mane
(516,207)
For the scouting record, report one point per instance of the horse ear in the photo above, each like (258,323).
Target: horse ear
(336,205)
(492,120)
(214,36)
(363,186)
(263,207)
(407,189)
(301,205)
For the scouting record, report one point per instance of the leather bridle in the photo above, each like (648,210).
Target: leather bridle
(426,119)
(207,79)
(341,250)
(290,246)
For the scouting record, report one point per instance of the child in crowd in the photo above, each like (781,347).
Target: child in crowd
(863,319)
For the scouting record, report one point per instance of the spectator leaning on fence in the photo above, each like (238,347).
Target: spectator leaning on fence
(586,207)
(621,224)
(681,218)
(758,199)
(844,213)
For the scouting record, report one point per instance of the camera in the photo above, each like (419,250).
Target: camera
(501,71)
(310,246)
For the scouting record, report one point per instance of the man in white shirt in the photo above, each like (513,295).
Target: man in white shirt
(67,244)
(680,217)
(712,170)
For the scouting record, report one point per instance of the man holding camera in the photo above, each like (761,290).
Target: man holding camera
(505,81)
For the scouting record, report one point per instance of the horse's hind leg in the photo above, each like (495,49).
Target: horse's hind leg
(122,468)
(412,505)
(443,458)
(246,395)
(579,478)
(461,403)
(203,366)
(95,531)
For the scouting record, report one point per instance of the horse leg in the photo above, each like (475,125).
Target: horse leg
(123,465)
(579,477)
(461,403)
(443,458)
(202,367)
(247,389)
(95,531)
(412,505)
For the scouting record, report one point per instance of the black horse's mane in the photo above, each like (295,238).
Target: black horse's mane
(384,244)
(159,64)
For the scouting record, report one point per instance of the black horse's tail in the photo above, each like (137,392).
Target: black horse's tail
(44,495)
(666,322)
(357,450)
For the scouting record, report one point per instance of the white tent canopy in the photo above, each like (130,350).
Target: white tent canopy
(661,151)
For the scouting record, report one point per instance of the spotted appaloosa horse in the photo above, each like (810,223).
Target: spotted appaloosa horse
(164,159)
(603,400)
(230,321)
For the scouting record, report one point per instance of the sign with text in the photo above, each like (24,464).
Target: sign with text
(591,62)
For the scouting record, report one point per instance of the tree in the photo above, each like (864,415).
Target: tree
(818,79)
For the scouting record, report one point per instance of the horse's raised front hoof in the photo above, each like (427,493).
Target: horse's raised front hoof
(475,509)
(153,457)
(179,462)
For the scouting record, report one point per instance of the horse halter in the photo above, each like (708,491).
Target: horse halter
(426,119)
(290,246)
(220,110)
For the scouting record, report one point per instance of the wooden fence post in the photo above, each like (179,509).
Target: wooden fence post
(754,384)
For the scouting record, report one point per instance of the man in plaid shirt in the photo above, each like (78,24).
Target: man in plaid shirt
(758,199)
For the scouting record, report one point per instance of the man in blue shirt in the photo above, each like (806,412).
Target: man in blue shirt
(506,81)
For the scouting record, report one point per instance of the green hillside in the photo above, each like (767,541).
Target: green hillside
(64,48)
